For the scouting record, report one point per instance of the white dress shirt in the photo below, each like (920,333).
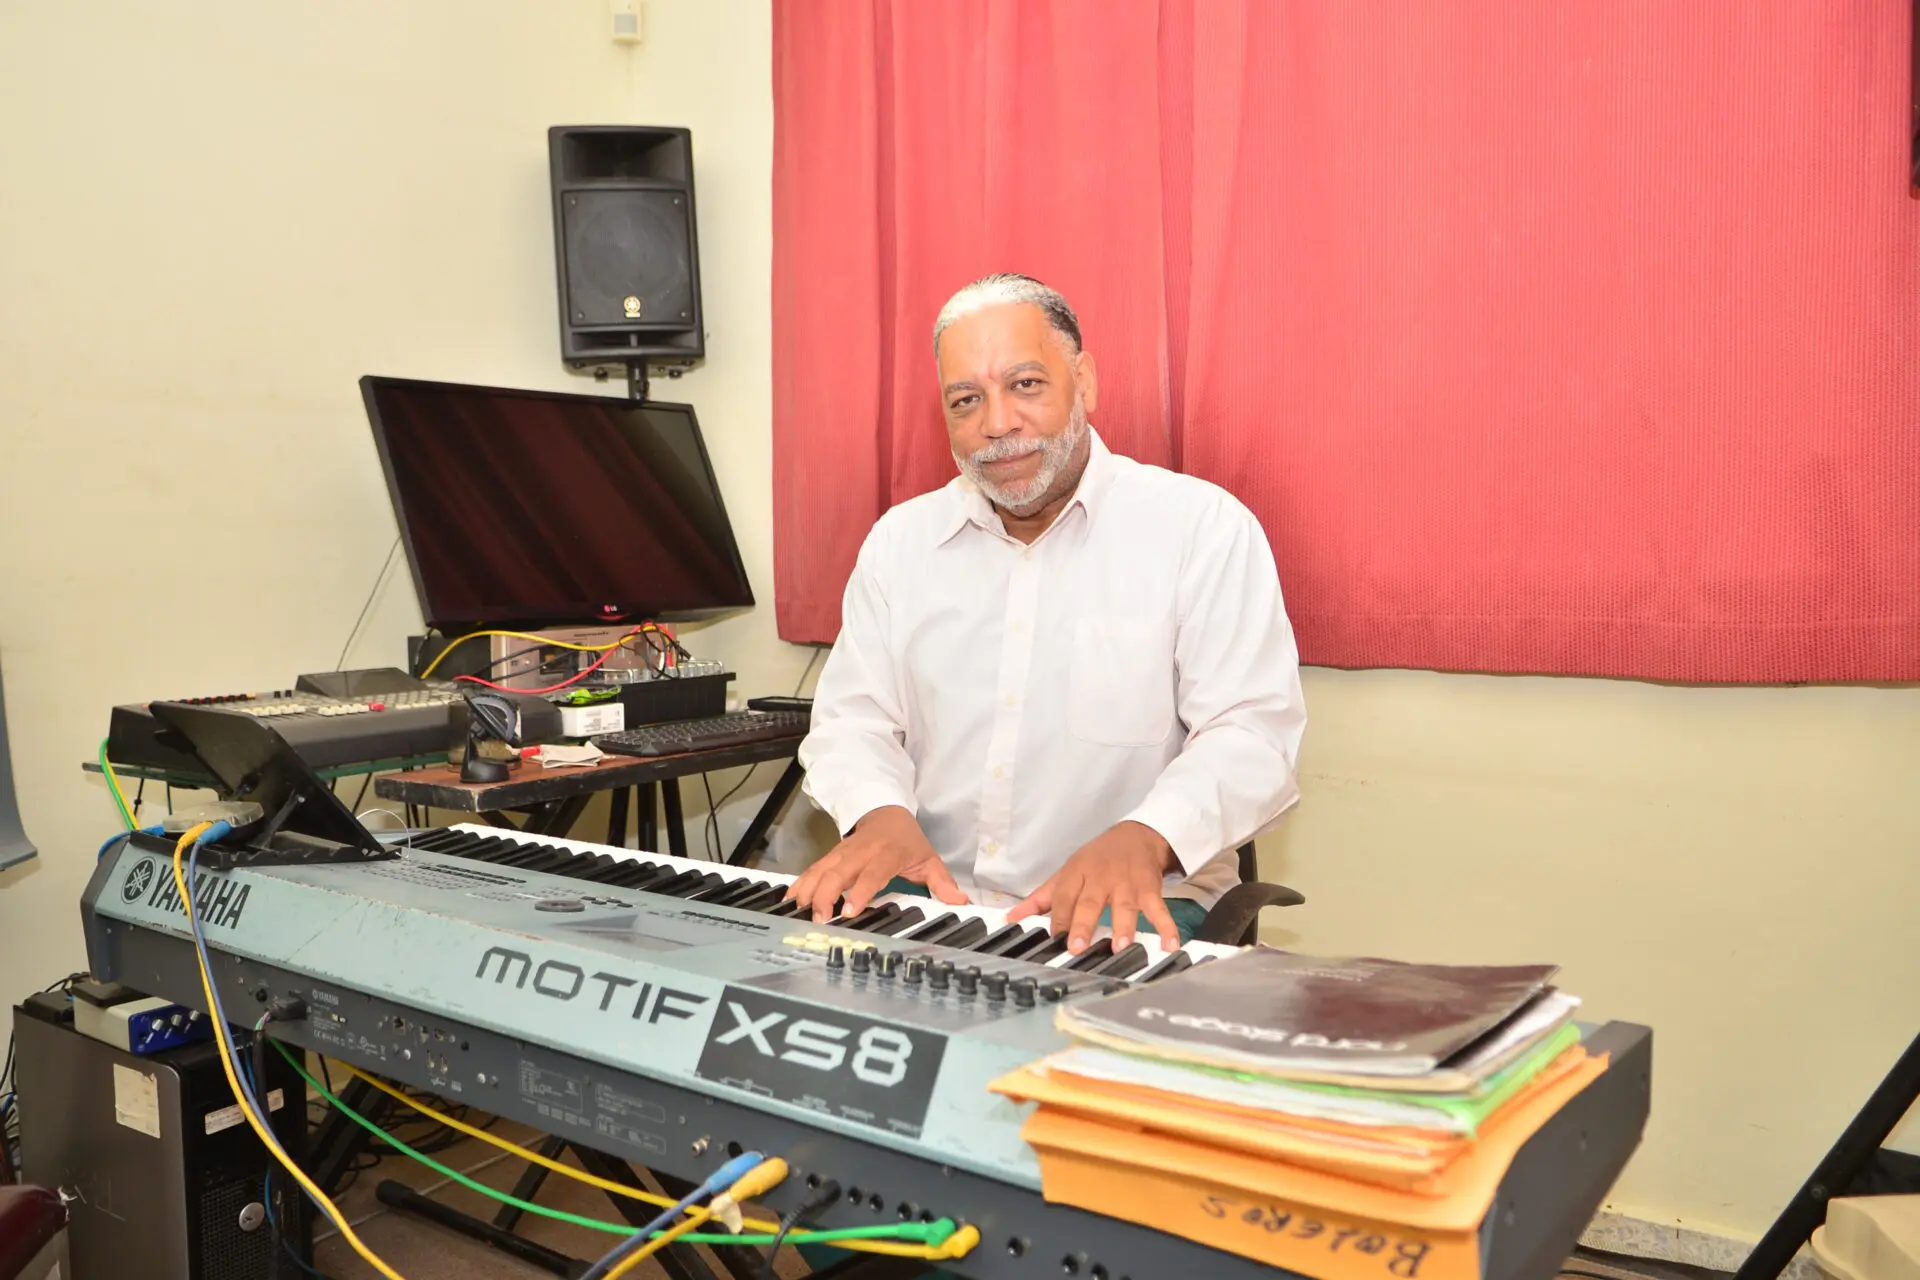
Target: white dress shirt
(1135,662)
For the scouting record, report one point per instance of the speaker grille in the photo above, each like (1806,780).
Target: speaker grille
(628,244)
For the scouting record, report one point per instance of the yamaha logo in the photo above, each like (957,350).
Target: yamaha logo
(139,880)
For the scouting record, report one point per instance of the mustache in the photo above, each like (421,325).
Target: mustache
(1008,447)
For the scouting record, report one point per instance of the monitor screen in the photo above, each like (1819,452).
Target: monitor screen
(540,507)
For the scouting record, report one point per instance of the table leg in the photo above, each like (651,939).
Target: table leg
(676,825)
(617,818)
(754,838)
(649,816)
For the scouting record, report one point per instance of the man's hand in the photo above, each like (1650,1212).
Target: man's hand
(1123,868)
(884,844)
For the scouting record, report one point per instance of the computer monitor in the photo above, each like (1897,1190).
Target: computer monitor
(541,508)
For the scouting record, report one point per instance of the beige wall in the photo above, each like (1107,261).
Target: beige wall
(213,218)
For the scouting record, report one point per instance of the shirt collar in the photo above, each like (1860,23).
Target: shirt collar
(969,506)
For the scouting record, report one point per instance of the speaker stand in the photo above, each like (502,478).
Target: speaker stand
(637,374)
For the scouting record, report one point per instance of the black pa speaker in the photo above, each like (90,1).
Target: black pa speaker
(628,256)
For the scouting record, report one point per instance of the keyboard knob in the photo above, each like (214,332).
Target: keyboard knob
(1054,991)
(968,980)
(996,986)
(862,960)
(940,976)
(1023,989)
(836,957)
(915,967)
(889,964)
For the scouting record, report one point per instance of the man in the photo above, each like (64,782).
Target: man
(1065,683)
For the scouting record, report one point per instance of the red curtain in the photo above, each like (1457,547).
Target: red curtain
(1573,338)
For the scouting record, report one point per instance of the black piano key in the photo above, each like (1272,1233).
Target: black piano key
(526,854)
(908,917)
(767,895)
(879,913)
(1002,938)
(1030,941)
(715,888)
(1167,967)
(679,886)
(489,849)
(1092,958)
(786,909)
(1125,963)
(929,931)
(967,935)
(601,868)
(743,889)
(439,840)
(628,874)
(558,862)
(1054,946)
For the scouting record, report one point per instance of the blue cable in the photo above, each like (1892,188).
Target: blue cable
(266,1201)
(722,1178)
(121,837)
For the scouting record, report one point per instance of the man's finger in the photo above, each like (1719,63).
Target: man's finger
(1125,918)
(1036,903)
(828,889)
(1060,911)
(866,886)
(941,884)
(1162,919)
(801,890)
(1086,918)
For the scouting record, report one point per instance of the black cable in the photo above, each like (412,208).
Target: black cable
(139,794)
(361,620)
(801,683)
(364,784)
(713,811)
(823,1197)
(169,799)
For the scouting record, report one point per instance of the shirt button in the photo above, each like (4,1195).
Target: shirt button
(999,772)
(1012,701)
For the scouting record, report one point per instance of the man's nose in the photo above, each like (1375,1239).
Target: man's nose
(997,419)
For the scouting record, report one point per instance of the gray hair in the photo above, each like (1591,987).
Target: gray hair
(1008,287)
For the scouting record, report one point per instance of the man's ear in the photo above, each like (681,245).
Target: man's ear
(1087,380)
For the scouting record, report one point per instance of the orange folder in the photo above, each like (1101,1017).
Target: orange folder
(1408,1159)
(1316,1223)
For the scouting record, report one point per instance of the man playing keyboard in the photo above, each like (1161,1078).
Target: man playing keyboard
(1064,683)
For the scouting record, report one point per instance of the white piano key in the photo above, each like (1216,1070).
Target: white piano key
(932,908)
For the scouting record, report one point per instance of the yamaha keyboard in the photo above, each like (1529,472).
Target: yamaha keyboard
(670,1012)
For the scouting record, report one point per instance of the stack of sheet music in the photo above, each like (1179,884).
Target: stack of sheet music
(1378,1101)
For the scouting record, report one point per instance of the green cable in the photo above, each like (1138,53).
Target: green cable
(111,789)
(934,1233)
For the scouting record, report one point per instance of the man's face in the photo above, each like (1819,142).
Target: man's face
(1016,402)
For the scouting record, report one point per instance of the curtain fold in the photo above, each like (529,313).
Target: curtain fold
(1573,339)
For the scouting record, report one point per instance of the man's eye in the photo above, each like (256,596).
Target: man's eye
(1026,384)
(964,402)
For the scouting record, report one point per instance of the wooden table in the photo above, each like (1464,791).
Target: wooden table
(552,799)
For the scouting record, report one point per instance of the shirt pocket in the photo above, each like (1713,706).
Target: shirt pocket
(1120,681)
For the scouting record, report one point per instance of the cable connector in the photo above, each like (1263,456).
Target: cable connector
(763,1178)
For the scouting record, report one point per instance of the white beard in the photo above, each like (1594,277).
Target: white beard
(1056,455)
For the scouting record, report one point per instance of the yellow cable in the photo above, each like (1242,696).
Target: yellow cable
(693,1219)
(546,1162)
(751,1185)
(540,640)
(221,1034)
(106,767)
(955,1246)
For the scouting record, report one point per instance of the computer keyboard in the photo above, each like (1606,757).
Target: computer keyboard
(730,730)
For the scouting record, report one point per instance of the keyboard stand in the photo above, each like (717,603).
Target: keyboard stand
(680,1262)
